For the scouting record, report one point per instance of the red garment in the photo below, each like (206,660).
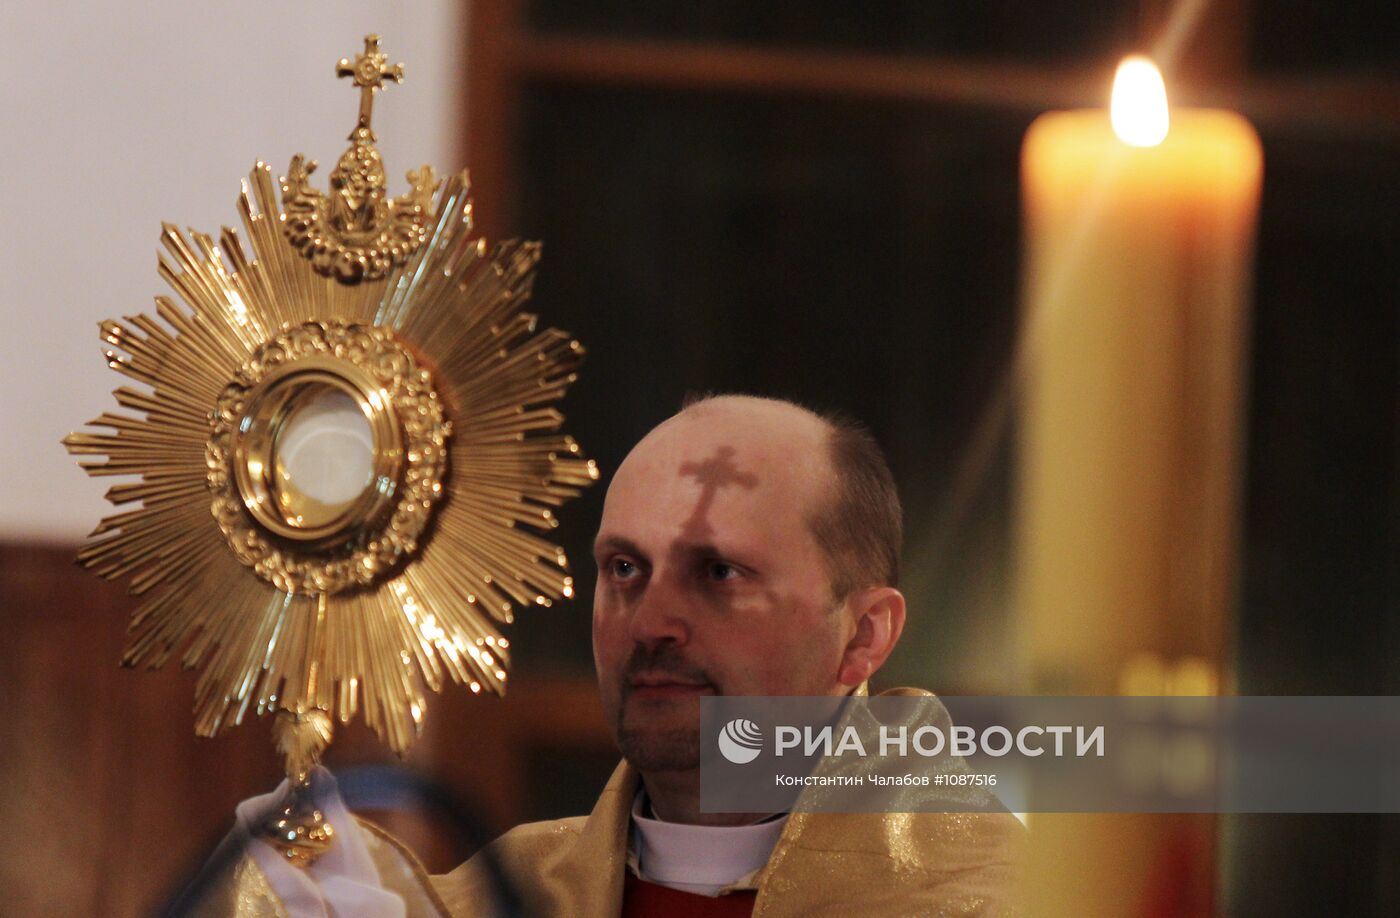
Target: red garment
(641,899)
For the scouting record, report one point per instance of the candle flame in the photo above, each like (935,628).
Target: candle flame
(1139,107)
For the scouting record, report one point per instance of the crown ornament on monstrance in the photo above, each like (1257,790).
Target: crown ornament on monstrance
(357,232)
(387,330)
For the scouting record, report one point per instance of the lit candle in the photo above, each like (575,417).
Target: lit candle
(1138,254)
(1139,229)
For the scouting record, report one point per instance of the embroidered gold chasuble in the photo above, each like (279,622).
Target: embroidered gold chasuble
(824,864)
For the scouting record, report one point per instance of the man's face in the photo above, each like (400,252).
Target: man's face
(709,578)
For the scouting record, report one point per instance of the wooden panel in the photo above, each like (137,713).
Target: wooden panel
(1206,76)
(102,774)
(491,115)
(687,65)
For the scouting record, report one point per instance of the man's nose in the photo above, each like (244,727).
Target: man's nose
(660,615)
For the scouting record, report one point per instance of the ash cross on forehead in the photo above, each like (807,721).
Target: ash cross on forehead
(369,71)
(714,473)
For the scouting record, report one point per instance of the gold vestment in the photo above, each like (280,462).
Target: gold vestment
(824,864)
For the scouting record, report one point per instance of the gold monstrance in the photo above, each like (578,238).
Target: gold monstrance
(340,438)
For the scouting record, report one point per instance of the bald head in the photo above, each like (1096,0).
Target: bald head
(756,408)
(825,468)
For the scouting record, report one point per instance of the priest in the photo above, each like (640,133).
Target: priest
(748,546)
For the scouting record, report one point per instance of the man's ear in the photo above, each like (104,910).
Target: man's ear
(879,615)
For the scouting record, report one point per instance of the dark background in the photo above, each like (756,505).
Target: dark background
(861,253)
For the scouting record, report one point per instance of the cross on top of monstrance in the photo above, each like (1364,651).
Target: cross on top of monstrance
(369,70)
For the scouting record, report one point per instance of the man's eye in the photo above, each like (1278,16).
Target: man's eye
(720,570)
(621,568)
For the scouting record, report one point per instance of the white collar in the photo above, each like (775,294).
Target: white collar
(708,860)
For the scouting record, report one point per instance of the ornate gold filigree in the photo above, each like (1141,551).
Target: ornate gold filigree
(357,233)
(301,738)
(356,546)
(357,608)
(297,828)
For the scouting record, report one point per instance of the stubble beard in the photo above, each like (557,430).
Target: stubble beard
(656,748)
(656,734)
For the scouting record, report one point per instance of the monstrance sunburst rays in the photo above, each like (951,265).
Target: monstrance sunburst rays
(411,316)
